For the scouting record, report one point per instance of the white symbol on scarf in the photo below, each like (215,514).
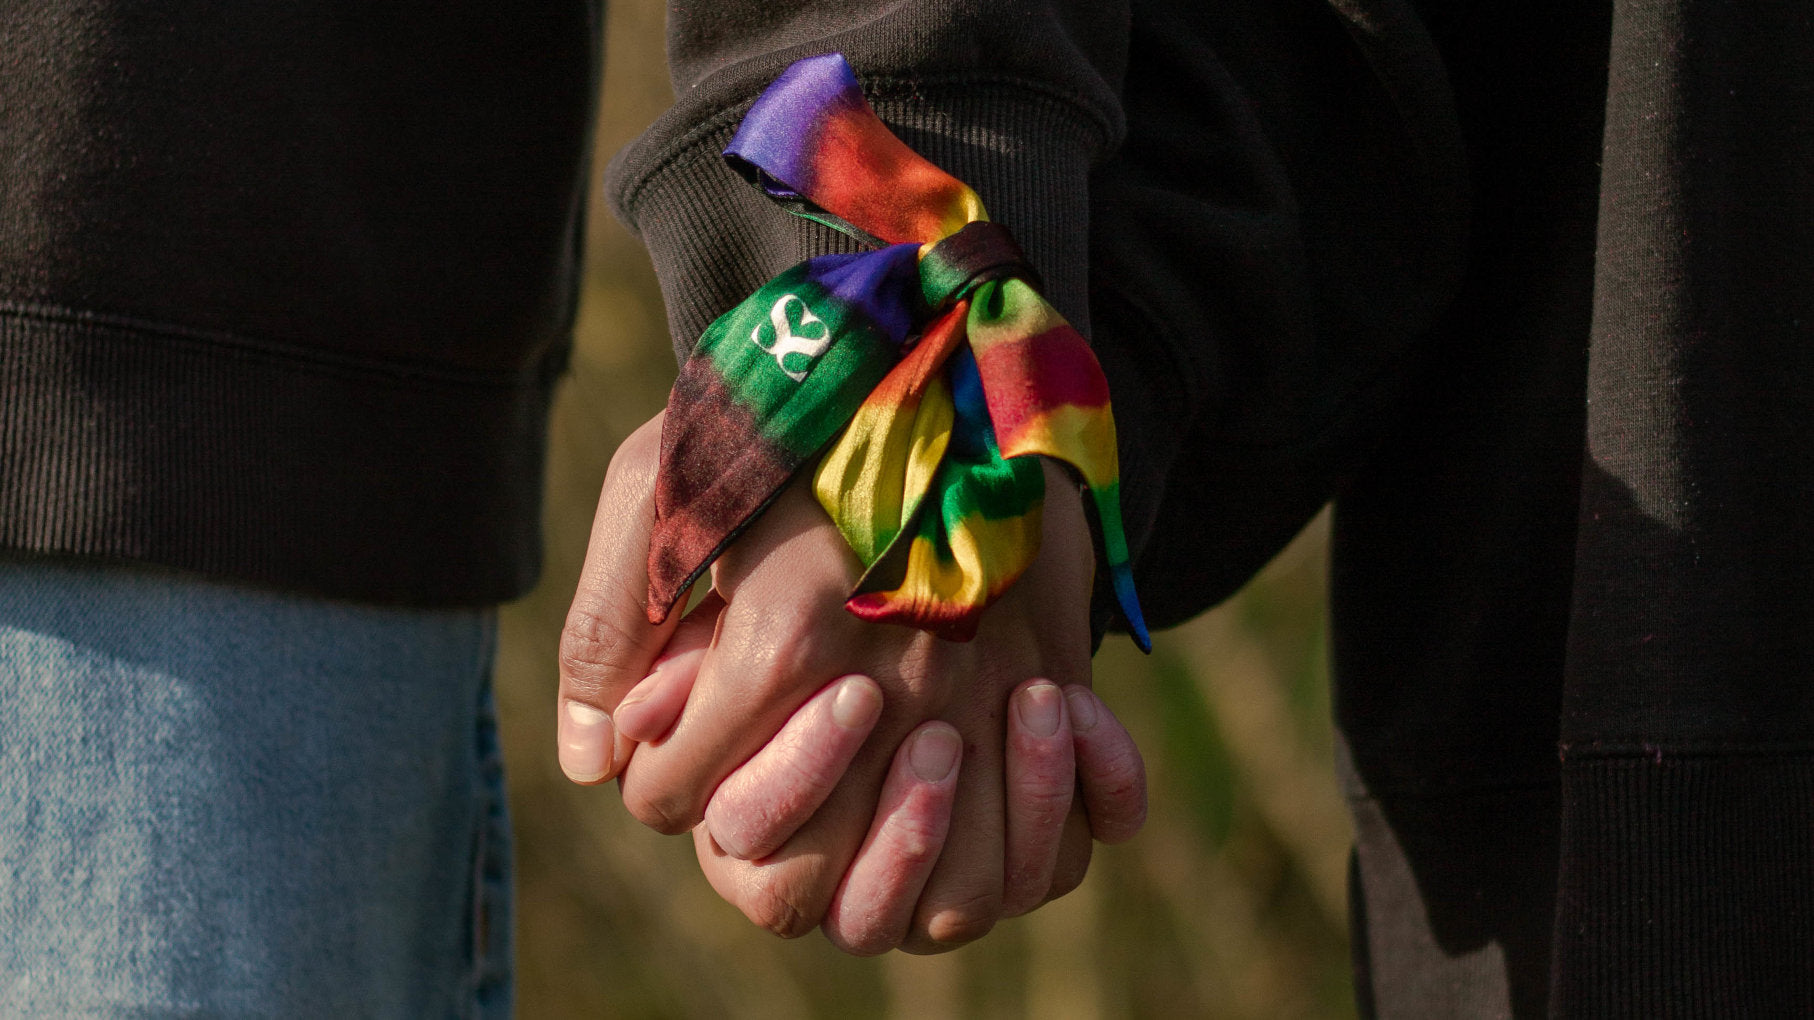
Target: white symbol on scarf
(788,342)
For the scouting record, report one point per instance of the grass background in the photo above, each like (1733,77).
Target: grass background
(1229,904)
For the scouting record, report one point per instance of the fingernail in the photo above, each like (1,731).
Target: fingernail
(584,740)
(934,753)
(856,704)
(1083,709)
(1038,708)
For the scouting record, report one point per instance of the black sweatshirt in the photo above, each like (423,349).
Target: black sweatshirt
(283,297)
(284,289)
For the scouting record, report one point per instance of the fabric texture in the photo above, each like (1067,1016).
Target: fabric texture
(932,480)
(221,801)
(284,293)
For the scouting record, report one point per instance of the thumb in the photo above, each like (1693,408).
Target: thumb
(608,644)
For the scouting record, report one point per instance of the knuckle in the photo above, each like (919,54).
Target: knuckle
(667,815)
(595,649)
(810,767)
(913,842)
(774,667)
(965,920)
(1045,796)
(774,909)
(759,810)
(742,828)
(801,654)
(728,832)
(1037,814)
(865,938)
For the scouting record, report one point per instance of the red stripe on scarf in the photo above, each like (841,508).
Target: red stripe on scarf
(1055,367)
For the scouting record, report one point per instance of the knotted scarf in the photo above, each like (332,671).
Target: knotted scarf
(930,365)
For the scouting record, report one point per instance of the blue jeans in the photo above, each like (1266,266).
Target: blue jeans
(227,801)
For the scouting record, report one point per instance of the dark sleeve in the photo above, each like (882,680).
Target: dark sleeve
(1281,227)
(1016,100)
(1149,162)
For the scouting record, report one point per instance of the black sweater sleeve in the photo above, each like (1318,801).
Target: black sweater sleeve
(1270,246)
(1017,100)
(284,289)
(1162,167)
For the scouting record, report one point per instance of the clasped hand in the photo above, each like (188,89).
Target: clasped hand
(897,789)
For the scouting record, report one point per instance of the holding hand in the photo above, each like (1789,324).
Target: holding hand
(858,774)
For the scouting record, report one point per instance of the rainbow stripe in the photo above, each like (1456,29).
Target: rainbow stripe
(933,476)
(969,543)
(890,453)
(1047,395)
(812,143)
(769,384)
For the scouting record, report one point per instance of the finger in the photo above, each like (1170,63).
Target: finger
(790,890)
(1074,851)
(1110,773)
(1040,781)
(649,711)
(651,708)
(761,889)
(962,900)
(874,904)
(760,805)
(608,643)
(781,638)
(964,897)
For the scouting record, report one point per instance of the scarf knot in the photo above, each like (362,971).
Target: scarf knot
(923,375)
(980,251)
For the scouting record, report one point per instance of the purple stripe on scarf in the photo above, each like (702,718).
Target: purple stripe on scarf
(779,134)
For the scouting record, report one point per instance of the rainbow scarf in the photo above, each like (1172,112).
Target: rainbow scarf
(930,366)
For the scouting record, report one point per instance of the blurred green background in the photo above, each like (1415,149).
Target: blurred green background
(1229,904)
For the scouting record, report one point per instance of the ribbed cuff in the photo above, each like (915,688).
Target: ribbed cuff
(1687,885)
(342,478)
(714,239)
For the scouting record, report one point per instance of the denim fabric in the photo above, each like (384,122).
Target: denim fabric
(224,801)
